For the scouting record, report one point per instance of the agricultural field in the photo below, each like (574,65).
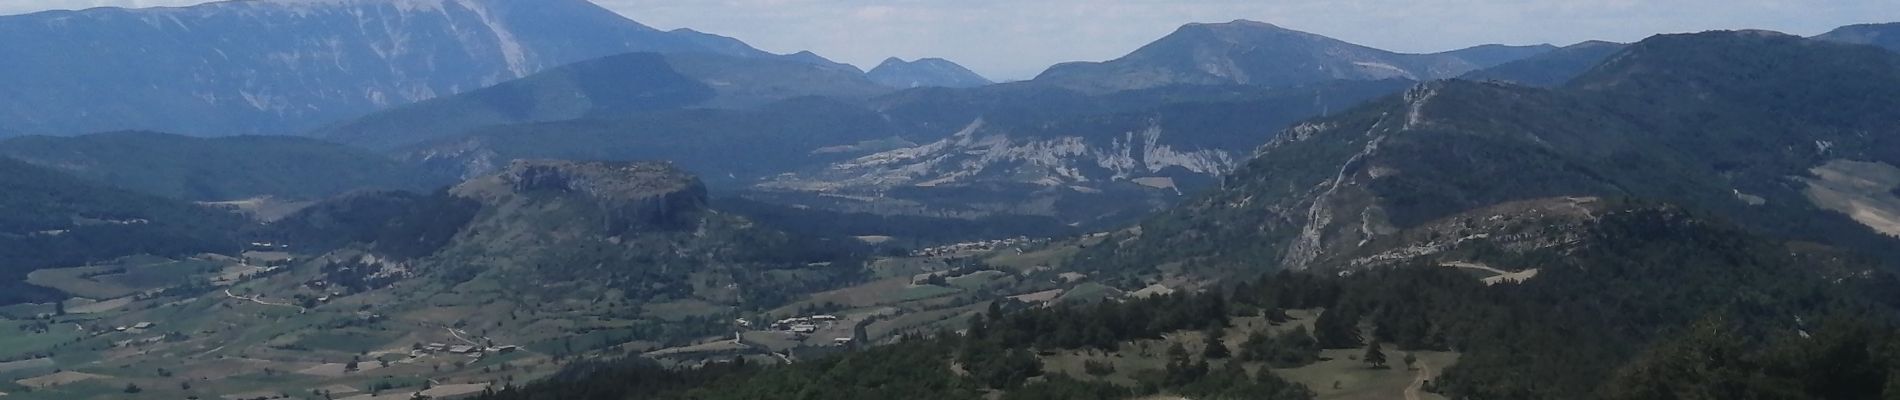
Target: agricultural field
(239,327)
(259,334)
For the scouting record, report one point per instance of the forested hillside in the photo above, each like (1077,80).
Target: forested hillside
(52,220)
(1650,286)
(220,169)
(1656,228)
(1717,122)
(544,200)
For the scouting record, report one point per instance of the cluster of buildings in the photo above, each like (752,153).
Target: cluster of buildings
(804,325)
(139,326)
(977,246)
(472,351)
(269,246)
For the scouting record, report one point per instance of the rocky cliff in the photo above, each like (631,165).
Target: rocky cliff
(628,196)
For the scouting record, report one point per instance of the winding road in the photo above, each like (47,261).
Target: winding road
(1418,383)
(458,336)
(259,300)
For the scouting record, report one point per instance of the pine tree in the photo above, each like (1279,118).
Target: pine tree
(1336,329)
(1214,348)
(1374,355)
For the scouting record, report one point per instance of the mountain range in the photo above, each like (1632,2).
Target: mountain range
(285,66)
(572,205)
(1103,164)
(1765,143)
(1675,118)
(922,133)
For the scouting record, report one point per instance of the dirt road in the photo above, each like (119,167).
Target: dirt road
(1418,383)
(259,300)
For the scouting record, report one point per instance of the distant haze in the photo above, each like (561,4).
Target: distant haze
(1015,39)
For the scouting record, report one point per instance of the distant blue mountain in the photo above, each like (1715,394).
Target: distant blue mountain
(1884,35)
(1260,54)
(287,66)
(928,72)
(1550,69)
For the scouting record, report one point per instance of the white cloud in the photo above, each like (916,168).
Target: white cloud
(1013,39)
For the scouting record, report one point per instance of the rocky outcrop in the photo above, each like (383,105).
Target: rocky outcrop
(629,196)
(979,153)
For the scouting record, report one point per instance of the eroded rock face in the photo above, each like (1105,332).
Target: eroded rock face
(1514,228)
(630,195)
(977,154)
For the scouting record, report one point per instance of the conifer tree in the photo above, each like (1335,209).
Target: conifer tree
(1374,355)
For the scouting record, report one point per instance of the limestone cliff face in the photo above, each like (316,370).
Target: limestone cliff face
(981,153)
(627,195)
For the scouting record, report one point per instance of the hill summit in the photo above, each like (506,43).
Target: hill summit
(1257,53)
(927,72)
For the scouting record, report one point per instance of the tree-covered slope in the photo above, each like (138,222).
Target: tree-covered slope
(1883,35)
(1551,69)
(52,220)
(727,146)
(1622,289)
(1726,122)
(631,232)
(623,86)
(219,169)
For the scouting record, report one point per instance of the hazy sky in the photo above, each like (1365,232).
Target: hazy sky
(1015,39)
